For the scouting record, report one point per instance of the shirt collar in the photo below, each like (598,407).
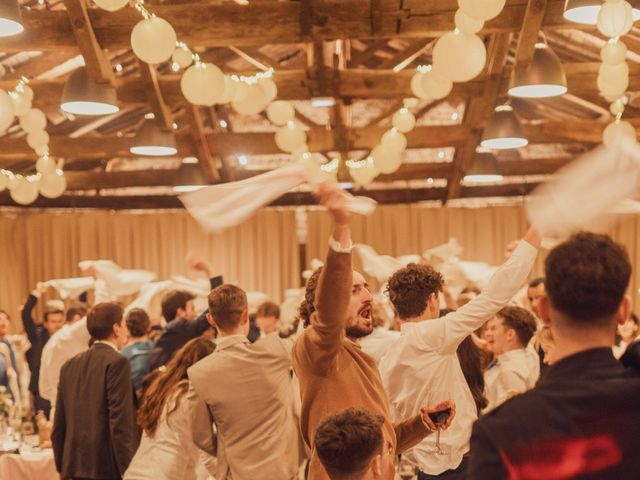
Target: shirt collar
(582,363)
(105,342)
(511,355)
(226,342)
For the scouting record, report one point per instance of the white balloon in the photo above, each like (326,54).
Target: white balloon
(467,24)
(481,9)
(153,40)
(416,86)
(254,102)
(24,191)
(37,138)
(616,131)
(290,137)
(182,56)
(42,150)
(386,160)
(111,5)
(202,84)
(6,111)
(435,85)
(403,120)
(242,92)
(21,103)
(613,80)
(459,56)
(616,107)
(45,165)
(615,19)
(364,174)
(53,184)
(280,112)
(229,91)
(4,180)
(270,89)
(613,53)
(33,120)
(394,141)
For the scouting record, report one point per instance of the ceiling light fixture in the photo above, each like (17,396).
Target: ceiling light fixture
(586,11)
(84,96)
(153,141)
(484,170)
(544,77)
(319,102)
(504,131)
(189,178)
(10,18)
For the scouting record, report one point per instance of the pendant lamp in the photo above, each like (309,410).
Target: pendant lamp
(10,18)
(544,77)
(504,131)
(153,141)
(84,96)
(586,11)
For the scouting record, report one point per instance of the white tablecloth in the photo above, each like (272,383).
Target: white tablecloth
(28,466)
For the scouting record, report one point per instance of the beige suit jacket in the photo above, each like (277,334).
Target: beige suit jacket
(245,390)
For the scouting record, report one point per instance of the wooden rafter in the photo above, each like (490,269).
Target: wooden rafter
(208,162)
(528,37)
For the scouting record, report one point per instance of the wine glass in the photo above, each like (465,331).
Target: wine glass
(439,417)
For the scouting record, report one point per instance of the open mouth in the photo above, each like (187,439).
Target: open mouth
(365,312)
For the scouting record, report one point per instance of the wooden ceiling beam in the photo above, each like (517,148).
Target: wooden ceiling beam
(354,83)
(159,107)
(478,112)
(208,162)
(319,139)
(95,59)
(528,37)
(211,25)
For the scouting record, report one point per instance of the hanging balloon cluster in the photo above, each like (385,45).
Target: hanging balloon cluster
(386,157)
(49,180)
(615,19)
(458,56)
(154,40)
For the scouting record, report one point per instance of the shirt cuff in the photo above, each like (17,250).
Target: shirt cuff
(35,293)
(338,248)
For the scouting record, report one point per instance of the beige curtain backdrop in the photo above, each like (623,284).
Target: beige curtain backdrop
(260,255)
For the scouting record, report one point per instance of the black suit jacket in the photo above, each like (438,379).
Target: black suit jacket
(38,336)
(582,421)
(178,332)
(94,432)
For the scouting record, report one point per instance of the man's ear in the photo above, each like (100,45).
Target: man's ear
(210,320)
(544,307)
(245,316)
(623,310)
(376,466)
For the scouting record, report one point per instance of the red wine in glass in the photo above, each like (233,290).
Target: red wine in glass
(440,417)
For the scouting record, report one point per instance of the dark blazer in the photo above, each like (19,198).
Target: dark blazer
(94,431)
(178,332)
(38,336)
(582,421)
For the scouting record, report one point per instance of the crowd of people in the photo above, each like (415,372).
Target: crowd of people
(483,389)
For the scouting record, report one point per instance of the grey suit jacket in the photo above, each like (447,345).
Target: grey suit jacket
(245,389)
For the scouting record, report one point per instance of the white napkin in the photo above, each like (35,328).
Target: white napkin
(72,287)
(119,281)
(586,190)
(219,207)
(381,267)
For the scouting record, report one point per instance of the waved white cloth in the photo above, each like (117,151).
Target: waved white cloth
(72,287)
(586,190)
(119,281)
(149,293)
(255,299)
(199,288)
(450,250)
(219,207)
(381,267)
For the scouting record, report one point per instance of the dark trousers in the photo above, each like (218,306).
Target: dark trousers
(457,474)
(40,403)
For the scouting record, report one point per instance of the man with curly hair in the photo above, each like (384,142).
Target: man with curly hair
(423,360)
(333,371)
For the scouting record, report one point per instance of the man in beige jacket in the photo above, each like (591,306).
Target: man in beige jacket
(334,372)
(245,389)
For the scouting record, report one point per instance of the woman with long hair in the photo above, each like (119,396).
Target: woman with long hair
(166,450)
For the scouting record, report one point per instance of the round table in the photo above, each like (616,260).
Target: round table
(28,465)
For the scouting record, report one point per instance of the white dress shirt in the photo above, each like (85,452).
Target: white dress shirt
(515,370)
(424,360)
(375,345)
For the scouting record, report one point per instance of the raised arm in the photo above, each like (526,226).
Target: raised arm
(27,311)
(321,341)
(445,334)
